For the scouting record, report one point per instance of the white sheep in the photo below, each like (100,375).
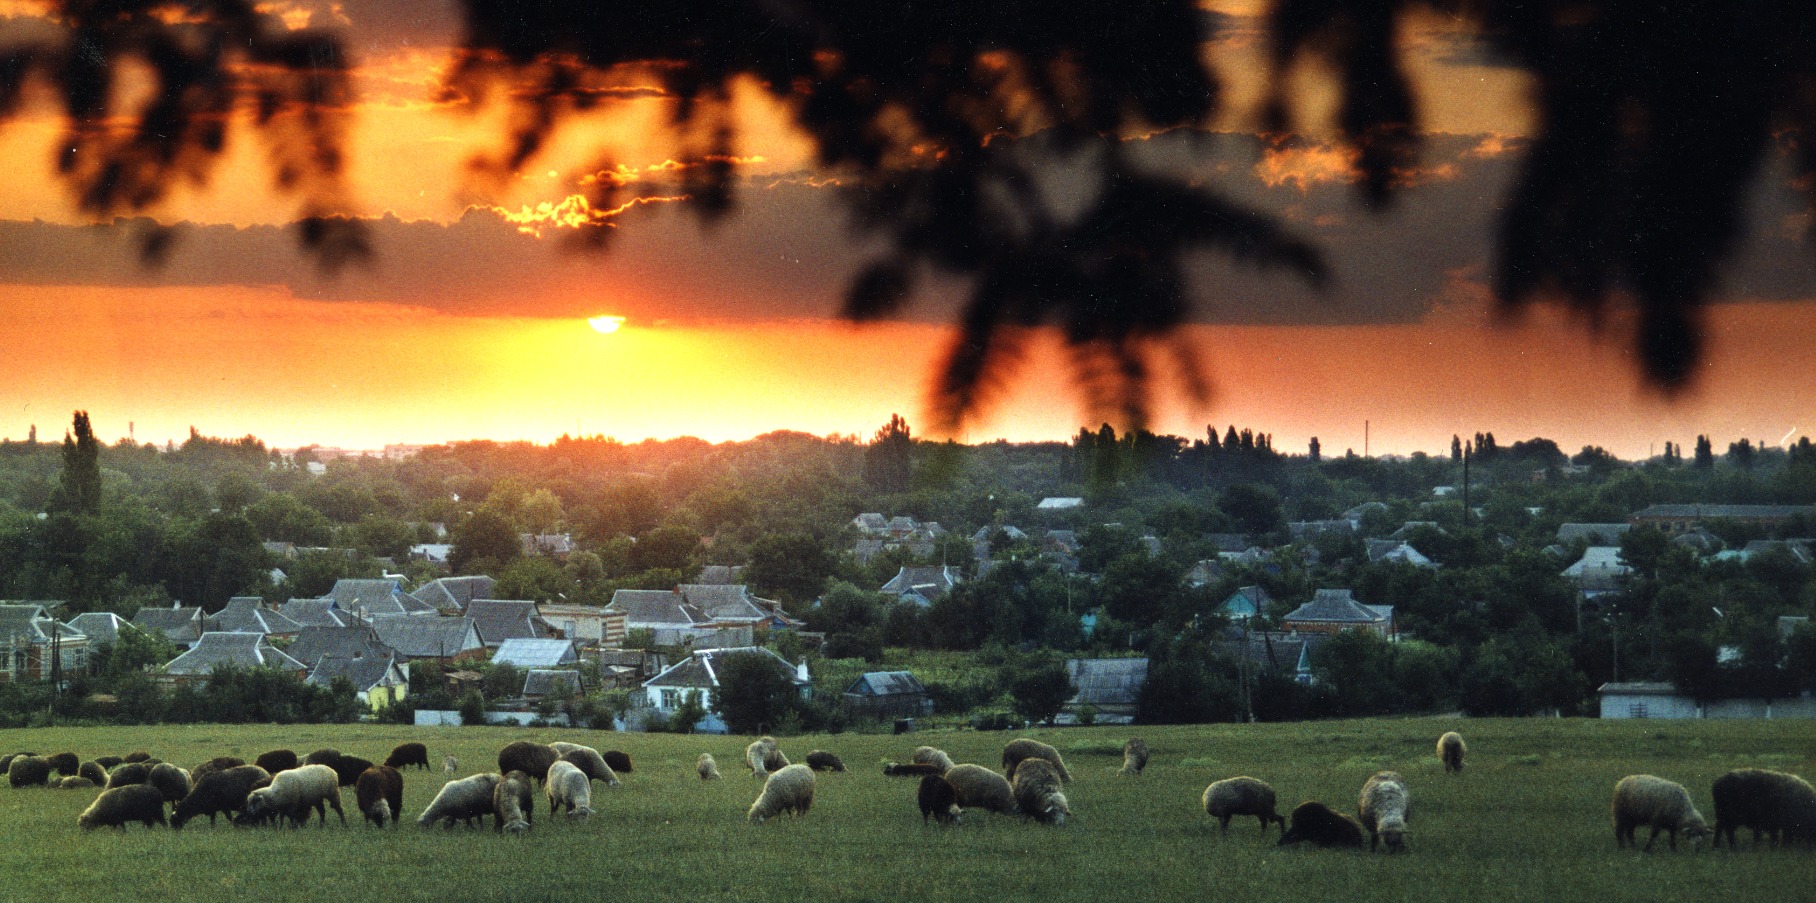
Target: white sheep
(1021,749)
(514,802)
(927,755)
(464,800)
(1451,750)
(1037,792)
(1242,795)
(790,789)
(1134,756)
(293,793)
(763,756)
(590,763)
(569,786)
(980,788)
(1383,807)
(1643,799)
(708,769)
(449,765)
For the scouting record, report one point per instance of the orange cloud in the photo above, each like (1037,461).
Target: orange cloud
(1304,166)
(572,212)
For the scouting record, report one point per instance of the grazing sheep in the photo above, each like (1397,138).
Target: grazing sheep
(1018,751)
(222,791)
(938,800)
(449,764)
(1036,785)
(763,756)
(127,774)
(6,762)
(1134,756)
(322,756)
(64,763)
(94,772)
(347,769)
(170,780)
(464,800)
(379,793)
(708,769)
(980,788)
(789,789)
(1230,797)
(927,755)
(514,803)
(528,757)
(821,760)
(403,755)
(912,769)
(1322,826)
(1643,799)
(277,760)
(107,763)
(28,771)
(569,786)
(1781,806)
(619,760)
(119,805)
(137,756)
(293,793)
(215,765)
(1383,807)
(1451,750)
(591,764)
(73,782)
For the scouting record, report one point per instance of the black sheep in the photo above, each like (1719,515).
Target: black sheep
(620,761)
(1320,825)
(127,774)
(821,760)
(115,807)
(94,772)
(28,771)
(170,780)
(106,762)
(530,758)
(139,756)
(379,791)
(938,800)
(220,792)
(277,760)
(1779,805)
(215,765)
(407,754)
(348,769)
(911,769)
(322,757)
(65,763)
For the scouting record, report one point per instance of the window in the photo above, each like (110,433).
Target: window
(671,699)
(1636,710)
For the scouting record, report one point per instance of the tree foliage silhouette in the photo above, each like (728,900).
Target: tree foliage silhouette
(944,122)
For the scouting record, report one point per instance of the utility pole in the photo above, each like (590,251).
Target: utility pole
(1466,456)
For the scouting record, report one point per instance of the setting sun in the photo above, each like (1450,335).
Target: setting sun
(605,324)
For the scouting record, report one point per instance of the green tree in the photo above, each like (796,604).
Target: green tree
(888,460)
(1039,686)
(381,536)
(688,714)
(792,567)
(485,541)
(672,547)
(79,483)
(756,692)
(281,517)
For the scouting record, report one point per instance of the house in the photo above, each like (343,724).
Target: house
(179,624)
(865,549)
(241,650)
(1411,527)
(1108,688)
(507,619)
(586,624)
(543,683)
(657,610)
(731,605)
(1659,699)
(623,669)
(432,552)
(1245,603)
(380,598)
(1207,570)
(1600,570)
(316,643)
(450,595)
(1333,610)
(1396,551)
(1592,534)
(1062,542)
(1679,518)
(101,627)
(280,550)
(887,694)
(530,653)
(871,523)
(922,585)
(1273,651)
(698,674)
(554,545)
(435,639)
(35,645)
(317,613)
(378,682)
(248,614)
(1059,503)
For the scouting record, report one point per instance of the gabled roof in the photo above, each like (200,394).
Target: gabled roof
(546,543)
(543,682)
(722,602)
(1407,529)
(528,653)
(315,643)
(243,650)
(1397,550)
(374,598)
(941,577)
(451,594)
(100,626)
(697,671)
(721,574)
(181,625)
(26,622)
(317,613)
(986,534)
(248,614)
(506,619)
(1734,512)
(870,521)
(652,607)
(363,673)
(886,683)
(1335,606)
(1310,528)
(1598,561)
(1246,601)
(1104,682)
(427,637)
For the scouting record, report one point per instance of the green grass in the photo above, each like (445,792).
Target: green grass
(1527,821)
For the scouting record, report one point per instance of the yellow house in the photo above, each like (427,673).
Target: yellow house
(379,681)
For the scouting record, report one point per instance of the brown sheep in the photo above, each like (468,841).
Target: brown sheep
(912,769)
(980,788)
(215,765)
(127,774)
(1134,756)
(821,760)
(28,771)
(115,807)
(406,754)
(222,791)
(136,756)
(1320,825)
(928,755)
(1036,784)
(379,793)
(324,756)
(1018,751)
(938,800)
(277,760)
(64,763)
(94,772)
(513,803)
(1781,806)
(528,757)
(170,780)
(107,763)
(1450,751)
(619,760)
(1243,795)
(347,769)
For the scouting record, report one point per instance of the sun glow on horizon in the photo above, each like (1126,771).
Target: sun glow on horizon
(605,324)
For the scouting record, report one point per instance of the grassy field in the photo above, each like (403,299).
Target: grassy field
(1527,821)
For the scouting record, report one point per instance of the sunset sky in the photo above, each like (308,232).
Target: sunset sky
(472,320)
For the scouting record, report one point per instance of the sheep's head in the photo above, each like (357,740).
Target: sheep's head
(257,802)
(1695,829)
(381,812)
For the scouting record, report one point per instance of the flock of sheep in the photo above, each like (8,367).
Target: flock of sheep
(280,787)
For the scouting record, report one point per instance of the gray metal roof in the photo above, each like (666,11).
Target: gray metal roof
(248,614)
(721,574)
(506,619)
(427,637)
(722,602)
(1733,512)
(886,683)
(314,643)
(942,577)
(182,625)
(364,672)
(1334,605)
(532,653)
(643,607)
(1104,682)
(244,650)
(100,626)
(697,670)
(450,594)
(543,682)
